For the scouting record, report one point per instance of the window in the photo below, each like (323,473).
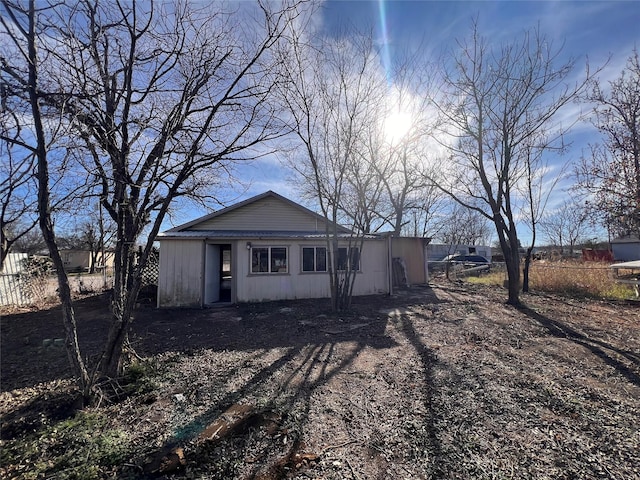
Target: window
(226,260)
(314,259)
(269,260)
(344,254)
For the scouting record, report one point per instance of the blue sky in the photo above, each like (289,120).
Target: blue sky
(594,28)
(596,31)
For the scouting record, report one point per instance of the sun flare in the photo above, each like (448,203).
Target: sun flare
(396,126)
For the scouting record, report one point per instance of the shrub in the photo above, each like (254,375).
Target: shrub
(35,277)
(84,447)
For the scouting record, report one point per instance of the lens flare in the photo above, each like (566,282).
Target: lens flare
(386,56)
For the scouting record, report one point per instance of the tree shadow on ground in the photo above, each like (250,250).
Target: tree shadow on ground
(597,347)
(298,374)
(428,360)
(309,359)
(306,346)
(27,362)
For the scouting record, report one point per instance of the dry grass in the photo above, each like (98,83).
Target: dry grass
(568,277)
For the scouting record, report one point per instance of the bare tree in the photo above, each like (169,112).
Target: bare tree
(399,148)
(567,225)
(94,233)
(539,180)
(191,94)
(464,226)
(610,174)
(162,99)
(426,212)
(17,198)
(24,78)
(332,93)
(93,236)
(403,179)
(499,106)
(31,242)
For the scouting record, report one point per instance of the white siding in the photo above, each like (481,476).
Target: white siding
(268,214)
(373,278)
(411,250)
(180,279)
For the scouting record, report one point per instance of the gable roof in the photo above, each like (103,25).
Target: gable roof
(253,215)
(627,239)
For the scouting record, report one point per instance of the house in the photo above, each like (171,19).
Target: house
(626,249)
(77,260)
(266,248)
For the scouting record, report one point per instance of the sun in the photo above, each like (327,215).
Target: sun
(397,125)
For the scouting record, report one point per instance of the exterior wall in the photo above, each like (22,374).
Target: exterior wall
(268,214)
(76,259)
(182,273)
(372,279)
(109,259)
(626,251)
(412,250)
(81,259)
(180,277)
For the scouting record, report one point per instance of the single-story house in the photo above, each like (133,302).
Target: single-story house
(270,248)
(626,249)
(77,260)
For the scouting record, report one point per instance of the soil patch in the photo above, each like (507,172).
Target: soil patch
(435,382)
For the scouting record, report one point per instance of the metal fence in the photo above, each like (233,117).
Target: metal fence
(18,289)
(14,288)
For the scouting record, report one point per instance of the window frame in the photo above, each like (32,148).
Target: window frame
(315,259)
(270,260)
(358,267)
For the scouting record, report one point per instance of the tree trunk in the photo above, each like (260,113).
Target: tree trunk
(4,246)
(44,215)
(111,365)
(509,242)
(126,286)
(513,278)
(94,259)
(64,291)
(527,261)
(525,271)
(72,346)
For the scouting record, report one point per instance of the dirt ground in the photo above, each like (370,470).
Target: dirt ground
(435,382)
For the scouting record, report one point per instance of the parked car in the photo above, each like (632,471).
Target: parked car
(467,261)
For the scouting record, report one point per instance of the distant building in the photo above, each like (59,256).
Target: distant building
(437,252)
(82,260)
(626,249)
